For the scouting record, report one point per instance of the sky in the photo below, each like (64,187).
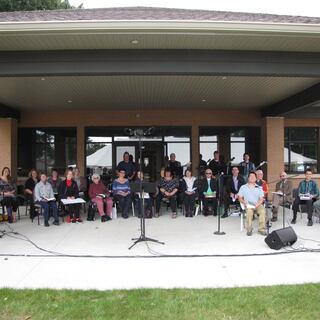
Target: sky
(291,7)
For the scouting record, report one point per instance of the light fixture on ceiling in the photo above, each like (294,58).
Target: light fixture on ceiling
(135,41)
(204,100)
(43,79)
(69,101)
(224,78)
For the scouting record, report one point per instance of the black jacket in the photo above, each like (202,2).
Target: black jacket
(204,186)
(230,187)
(64,191)
(184,186)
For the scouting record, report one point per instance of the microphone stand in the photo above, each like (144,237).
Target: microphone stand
(142,236)
(219,232)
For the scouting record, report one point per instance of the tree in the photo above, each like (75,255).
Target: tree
(30,5)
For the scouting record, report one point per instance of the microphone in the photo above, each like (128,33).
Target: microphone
(232,159)
(262,163)
(208,160)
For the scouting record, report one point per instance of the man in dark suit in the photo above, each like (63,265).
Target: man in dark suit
(216,164)
(232,189)
(209,192)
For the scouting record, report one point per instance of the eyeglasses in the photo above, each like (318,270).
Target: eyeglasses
(96,178)
(208,173)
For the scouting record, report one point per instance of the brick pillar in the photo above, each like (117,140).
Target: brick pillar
(81,151)
(273,148)
(8,145)
(195,149)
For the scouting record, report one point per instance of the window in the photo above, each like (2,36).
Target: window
(237,145)
(208,144)
(301,149)
(46,148)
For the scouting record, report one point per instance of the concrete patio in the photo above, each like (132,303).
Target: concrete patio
(116,267)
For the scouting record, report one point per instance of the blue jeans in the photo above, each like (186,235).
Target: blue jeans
(45,206)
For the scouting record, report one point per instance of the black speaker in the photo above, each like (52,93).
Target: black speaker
(280,238)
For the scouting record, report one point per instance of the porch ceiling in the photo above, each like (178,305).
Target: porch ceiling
(147,91)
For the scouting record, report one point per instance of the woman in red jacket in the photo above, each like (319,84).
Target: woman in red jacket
(100,195)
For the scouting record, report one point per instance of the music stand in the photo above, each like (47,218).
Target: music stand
(142,187)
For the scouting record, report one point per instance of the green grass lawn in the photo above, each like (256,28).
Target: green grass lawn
(278,302)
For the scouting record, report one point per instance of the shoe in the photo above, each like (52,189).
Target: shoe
(46,224)
(249,233)
(310,223)
(79,220)
(262,232)
(225,215)
(103,218)
(74,220)
(56,222)
(108,218)
(125,216)
(156,215)
(215,213)
(10,219)
(174,215)
(293,221)
(274,219)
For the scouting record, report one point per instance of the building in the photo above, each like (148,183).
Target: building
(72,81)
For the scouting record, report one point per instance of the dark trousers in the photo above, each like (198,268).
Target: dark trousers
(308,203)
(73,210)
(172,200)
(138,204)
(124,203)
(29,198)
(228,201)
(11,203)
(189,202)
(207,202)
(52,205)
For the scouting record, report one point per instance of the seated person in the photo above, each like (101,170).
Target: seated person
(29,190)
(308,188)
(147,198)
(122,193)
(43,194)
(81,182)
(8,195)
(208,192)
(128,166)
(252,197)
(283,195)
(232,188)
(55,181)
(68,189)
(100,195)
(168,188)
(262,183)
(189,191)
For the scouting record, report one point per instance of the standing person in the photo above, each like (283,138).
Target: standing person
(29,190)
(55,180)
(175,166)
(99,194)
(8,195)
(189,190)
(282,196)
(128,166)
(122,192)
(252,197)
(43,194)
(68,189)
(209,192)
(232,188)
(307,188)
(246,166)
(216,164)
(168,188)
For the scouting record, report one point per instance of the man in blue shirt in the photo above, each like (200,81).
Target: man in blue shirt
(308,188)
(128,166)
(252,197)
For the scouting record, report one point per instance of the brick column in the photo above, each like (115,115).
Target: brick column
(8,145)
(81,150)
(273,148)
(195,149)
